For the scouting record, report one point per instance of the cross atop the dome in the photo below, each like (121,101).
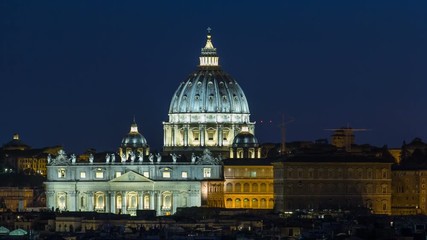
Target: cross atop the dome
(209,30)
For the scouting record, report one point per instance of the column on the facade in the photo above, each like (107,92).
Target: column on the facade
(90,201)
(71,201)
(140,200)
(186,135)
(220,135)
(158,202)
(107,204)
(51,203)
(112,202)
(165,135)
(175,197)
(202,134)
(233,131)
(124,197)
(173,135)
(152,200)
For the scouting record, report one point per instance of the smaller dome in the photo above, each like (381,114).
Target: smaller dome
(134,139)
(16,144)
(245,139)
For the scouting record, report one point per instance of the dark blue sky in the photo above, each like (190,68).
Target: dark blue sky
(76,72)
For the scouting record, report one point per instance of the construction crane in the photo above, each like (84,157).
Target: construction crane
(348,136)
(282,126)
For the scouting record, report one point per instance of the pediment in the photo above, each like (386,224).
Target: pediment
(131,176)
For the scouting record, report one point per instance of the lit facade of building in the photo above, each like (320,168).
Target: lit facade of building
(248,183)
(13,198)
(128,186)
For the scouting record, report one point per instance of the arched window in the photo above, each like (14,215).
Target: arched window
(238,203)
(254,187)
(229,187)
(263,187)
(271,187)
(229,203)
(263,203)
(254,203)
(119,202)
(166,201)
(270,203)
(146,201)
(246,203)
(246,187)
(62,201)
(238,187)
(99,204)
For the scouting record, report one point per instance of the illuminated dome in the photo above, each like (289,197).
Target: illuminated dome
(210,90)
(207,110)
(134,139)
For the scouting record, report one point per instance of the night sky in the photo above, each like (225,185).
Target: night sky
(75,73)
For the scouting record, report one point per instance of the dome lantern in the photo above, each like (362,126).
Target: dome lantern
(209,56)
(134,127)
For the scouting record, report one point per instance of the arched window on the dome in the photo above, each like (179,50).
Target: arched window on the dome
(224,103)
(236,104)
(211,103)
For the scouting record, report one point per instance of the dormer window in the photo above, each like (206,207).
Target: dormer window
(99,174)
(206,172)
(166,172)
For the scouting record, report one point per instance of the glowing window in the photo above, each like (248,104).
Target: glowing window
(166,174)
(184,175)
(82,174)
(61,173)
(146,174)
(118,174)
(99,174)
(207,172)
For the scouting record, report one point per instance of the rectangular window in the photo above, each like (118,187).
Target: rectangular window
(207,172)
(196,136)
(118,174)
(211,135)
(82,174)
(253,174)
(99,175)
(146,174)
(184,175)
(166,174)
